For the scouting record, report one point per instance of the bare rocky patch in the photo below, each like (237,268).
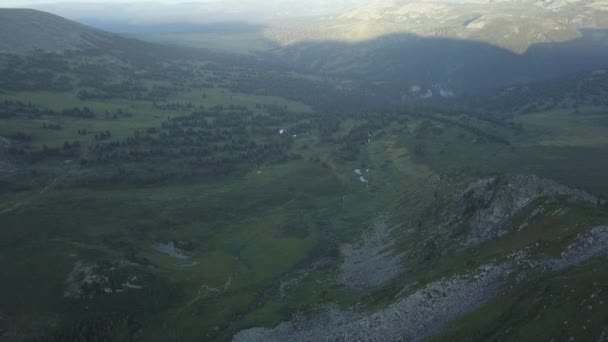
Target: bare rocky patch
(171,249)
(486,207)
(88,280)
(372,262)
(425,311)
(410,318)
(587,246)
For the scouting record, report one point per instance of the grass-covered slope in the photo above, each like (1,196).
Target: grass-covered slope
(24,31)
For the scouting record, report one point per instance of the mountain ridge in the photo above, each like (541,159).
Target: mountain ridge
(26,30)
(515,25)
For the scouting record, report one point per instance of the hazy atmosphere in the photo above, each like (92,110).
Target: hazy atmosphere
(163,11)
(303,171)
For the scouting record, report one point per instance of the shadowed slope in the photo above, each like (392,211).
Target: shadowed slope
(23,31)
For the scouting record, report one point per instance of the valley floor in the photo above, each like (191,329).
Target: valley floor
(200,209)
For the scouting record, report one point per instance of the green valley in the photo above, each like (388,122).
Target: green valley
(153,192)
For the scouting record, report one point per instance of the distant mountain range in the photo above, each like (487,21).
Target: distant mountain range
(512,24)
(416,50)
(437,49)
(195,12)
(515,25)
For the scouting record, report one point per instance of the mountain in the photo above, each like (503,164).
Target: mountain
(195,12)
(450,47)
(514,25)
(420,50)
(25,30)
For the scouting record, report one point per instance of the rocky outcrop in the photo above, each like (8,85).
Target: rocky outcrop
(425,311)
(487,208)
(483,210)
(409,319)
(586,246)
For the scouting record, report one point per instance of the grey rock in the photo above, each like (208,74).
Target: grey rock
(411,318)
(371,263)
(486,206)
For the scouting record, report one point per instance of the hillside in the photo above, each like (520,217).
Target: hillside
(24,31)
(572,92)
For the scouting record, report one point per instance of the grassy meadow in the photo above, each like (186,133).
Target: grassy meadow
(186,255)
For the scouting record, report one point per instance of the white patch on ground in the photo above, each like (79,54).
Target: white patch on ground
(170,249)
(427,95)
(205,291)
(84,280)
(228,283)
(560,212)
(359,173)
(477,24)
(446,93)
(82,275)
(128,285)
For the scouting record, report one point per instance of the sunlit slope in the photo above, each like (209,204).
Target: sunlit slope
(514,25)
(450,47)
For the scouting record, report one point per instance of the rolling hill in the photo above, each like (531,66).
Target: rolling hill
(24,31)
